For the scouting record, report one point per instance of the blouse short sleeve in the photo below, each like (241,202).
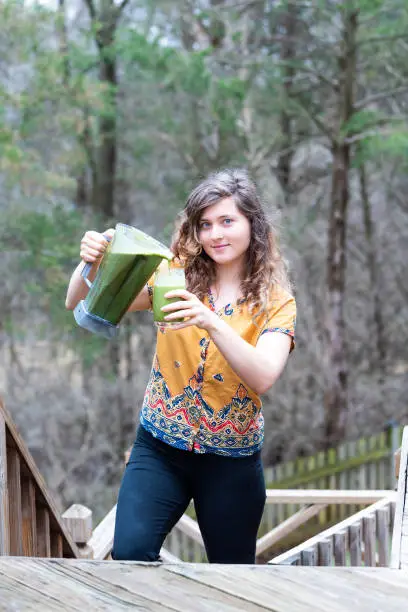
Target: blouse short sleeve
(281,316)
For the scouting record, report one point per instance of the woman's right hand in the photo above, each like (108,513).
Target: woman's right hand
(93,245)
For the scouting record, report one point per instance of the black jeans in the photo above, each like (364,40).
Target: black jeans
(157,486)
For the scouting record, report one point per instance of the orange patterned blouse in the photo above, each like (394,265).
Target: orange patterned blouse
(194,400)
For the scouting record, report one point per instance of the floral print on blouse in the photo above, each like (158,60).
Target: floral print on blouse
(194,400)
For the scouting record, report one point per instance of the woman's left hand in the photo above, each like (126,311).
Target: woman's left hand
(190,308)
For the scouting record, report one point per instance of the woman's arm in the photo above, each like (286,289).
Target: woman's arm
(93,246)
(257,366)
(77,288)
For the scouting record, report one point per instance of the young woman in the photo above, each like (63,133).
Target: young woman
(201,424)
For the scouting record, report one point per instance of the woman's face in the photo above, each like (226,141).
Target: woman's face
(224,232)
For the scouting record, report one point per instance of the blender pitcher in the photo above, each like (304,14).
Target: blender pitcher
(129,261)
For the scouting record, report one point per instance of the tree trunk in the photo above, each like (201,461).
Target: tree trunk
(63,42)
(81,197)
(377,319)
(336,400)
(192,31)
(336,393)
(103,193)
(288,54)
(104,18)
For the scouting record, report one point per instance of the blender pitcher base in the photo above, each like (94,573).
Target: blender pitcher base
(93,323)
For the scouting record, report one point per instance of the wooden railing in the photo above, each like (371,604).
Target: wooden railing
(362,539)
(185,542)
(30,524)
(366,463)
(102,538)
(365,537)
(399,556)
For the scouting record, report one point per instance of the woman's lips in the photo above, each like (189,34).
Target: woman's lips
(220,246)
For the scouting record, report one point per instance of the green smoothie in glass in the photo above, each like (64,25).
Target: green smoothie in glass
(166,279)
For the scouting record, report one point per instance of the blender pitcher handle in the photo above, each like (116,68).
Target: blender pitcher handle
(84,273)
(87,267)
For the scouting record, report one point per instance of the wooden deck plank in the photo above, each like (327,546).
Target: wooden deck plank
(172,589)
(51,588)
(46,584)
(307,593)
(16,596)
(323,589)
(254,584)
(350,589)
(384,580)
(129,585)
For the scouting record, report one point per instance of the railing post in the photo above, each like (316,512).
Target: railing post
(4,523)
(392,431)
(29,516)
(78,520)
(399,547)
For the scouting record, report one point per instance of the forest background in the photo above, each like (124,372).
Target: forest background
(112,111)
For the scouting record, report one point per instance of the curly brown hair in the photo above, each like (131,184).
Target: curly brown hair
(265,266)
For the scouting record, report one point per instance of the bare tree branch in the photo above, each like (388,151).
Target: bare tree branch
(366,134)
(380,96)
(310,70)
(375,39)
(371,129)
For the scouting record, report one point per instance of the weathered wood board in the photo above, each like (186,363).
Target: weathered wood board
(69,584)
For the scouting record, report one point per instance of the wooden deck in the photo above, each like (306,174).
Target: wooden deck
(72,584)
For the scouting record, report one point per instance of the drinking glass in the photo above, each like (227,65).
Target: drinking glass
(166,279)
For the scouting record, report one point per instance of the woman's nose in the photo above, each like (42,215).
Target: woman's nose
(217,232)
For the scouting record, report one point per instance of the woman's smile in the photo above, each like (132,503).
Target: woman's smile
(224,232)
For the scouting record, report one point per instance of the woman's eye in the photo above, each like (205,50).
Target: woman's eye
(228,221)
(204,225)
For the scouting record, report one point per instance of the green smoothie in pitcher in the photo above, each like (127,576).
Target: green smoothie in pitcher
(130,260)
(166,279)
